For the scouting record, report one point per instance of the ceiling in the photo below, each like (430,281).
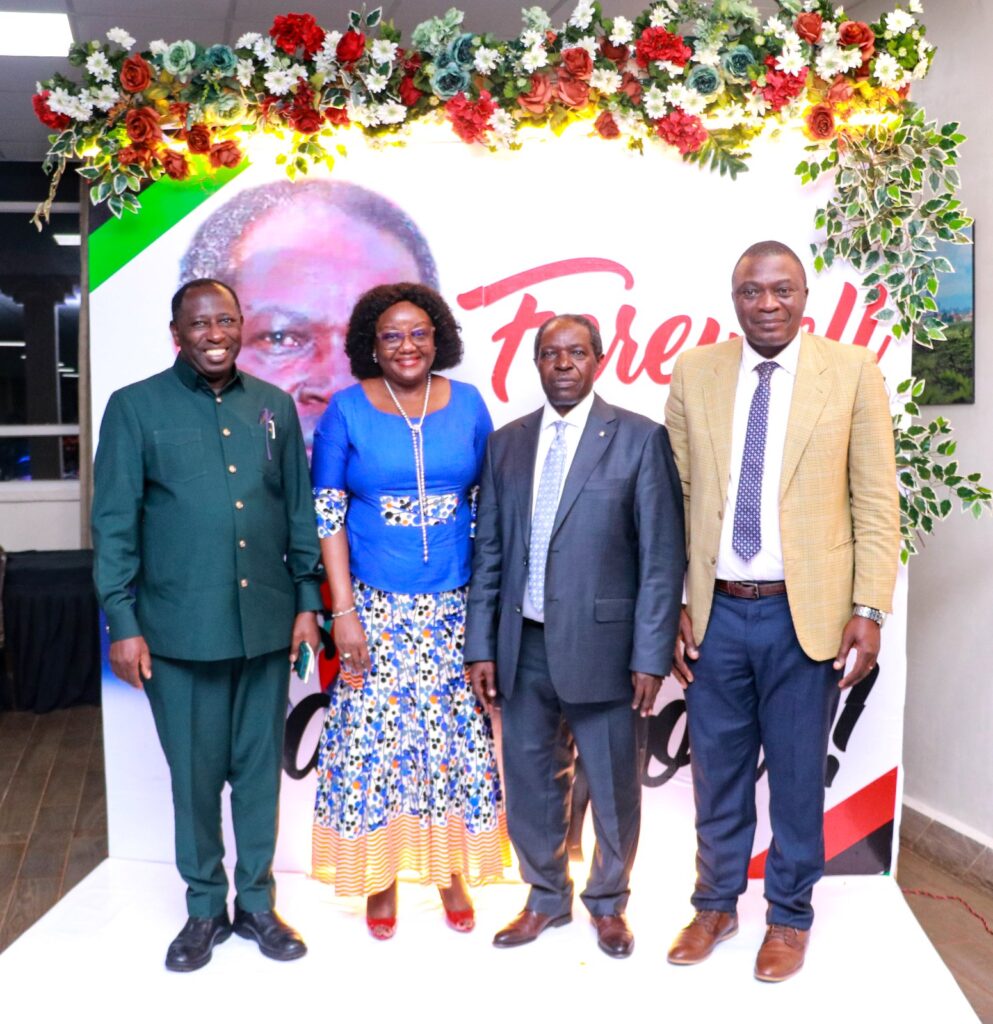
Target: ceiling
(22,137)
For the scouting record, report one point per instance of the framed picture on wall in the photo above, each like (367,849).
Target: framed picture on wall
(950,367)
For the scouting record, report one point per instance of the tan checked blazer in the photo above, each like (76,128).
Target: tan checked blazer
(838,503)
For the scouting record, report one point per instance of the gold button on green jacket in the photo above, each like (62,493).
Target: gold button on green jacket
(203,525)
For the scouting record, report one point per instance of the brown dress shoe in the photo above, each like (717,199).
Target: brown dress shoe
(526,927)
(697,940)
(613,935)
(781,953)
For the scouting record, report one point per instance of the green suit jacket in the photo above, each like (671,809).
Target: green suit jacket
(203,526)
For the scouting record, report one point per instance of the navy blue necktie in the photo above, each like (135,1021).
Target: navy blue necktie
(746,536)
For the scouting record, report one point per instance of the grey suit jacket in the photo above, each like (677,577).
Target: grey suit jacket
(616,560)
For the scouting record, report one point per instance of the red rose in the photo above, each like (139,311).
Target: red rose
(684,131)
(305,120)
(290,31)
(337,116)
(409,93)
(179,111)
(606,126)
(175,165)
(857,33)
(135,74)
(537,98)
(550,37)
(618,54)
(631,87)
(142,125)
(138,154)
(658,44)
(198,139)
(841,90)
(577,62)
(225,154)
(471,121)
(573,92)
(350,47)
(57,122)
(820,121)
(808,27)
(411,59)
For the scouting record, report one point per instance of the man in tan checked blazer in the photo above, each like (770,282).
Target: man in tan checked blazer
(784,445)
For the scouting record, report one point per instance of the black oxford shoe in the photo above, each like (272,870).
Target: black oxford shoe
(191,948)
(275,937)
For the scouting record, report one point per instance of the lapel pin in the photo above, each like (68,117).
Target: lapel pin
(603,433)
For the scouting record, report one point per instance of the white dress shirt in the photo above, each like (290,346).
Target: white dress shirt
(768,563)
(575,423)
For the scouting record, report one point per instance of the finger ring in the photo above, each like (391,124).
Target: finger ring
(345,657)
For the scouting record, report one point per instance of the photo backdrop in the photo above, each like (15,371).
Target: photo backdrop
(644,244)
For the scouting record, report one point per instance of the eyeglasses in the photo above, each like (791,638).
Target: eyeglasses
(392,340)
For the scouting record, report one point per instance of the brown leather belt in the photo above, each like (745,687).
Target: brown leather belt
(749,589)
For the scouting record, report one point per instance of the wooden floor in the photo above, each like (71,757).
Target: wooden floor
(53,831)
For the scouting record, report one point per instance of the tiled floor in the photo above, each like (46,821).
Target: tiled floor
(53,831)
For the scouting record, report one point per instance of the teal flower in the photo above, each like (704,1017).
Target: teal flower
(220,58)
(736,63)
(178,58)
(227,108)
(433,35)
(448,80)
(705,80)
(459,50)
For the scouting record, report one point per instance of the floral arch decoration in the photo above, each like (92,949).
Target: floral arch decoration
(705,78)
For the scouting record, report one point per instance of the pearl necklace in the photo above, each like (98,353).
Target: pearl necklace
(417,440)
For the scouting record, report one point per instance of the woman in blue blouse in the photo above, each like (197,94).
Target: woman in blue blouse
(407,779)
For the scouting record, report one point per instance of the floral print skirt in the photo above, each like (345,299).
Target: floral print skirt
(406,770)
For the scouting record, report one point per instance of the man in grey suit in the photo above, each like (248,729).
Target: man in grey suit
(573,606)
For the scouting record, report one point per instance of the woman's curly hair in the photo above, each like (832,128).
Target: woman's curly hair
(360,341)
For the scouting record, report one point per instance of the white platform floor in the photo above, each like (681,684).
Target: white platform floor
(97,956)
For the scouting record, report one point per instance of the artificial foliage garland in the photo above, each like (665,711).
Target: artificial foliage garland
(706,78)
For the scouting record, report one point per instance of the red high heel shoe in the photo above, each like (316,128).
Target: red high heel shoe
(461,920)
(381,928)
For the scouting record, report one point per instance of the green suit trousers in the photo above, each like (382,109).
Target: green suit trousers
(218,722)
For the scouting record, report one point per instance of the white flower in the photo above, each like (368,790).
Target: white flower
(791,62)
(898,21)
(79,108)
(265,50)
(103,98)
(533,59)
(692,102)
(247,41)
(503,124)
(531,38)
(58,100)
(327,57)
(839,13)
(582,15)
(707,53)
(244,72)
(791,41)
(794,109)
(364,114)
(920,71)
(297,71)
(774,27)
(829,33)
(667,65)
(279,81)
(661,13)
(99,67)
(809,5)
(605,81)
(119,36)
(915,6)
(157,47)
(375,82)
(391,113)
(755,105)
(383,51)
(486,60)
(832,61)
(888,71)
(622,32)
(653,100)
(587,43)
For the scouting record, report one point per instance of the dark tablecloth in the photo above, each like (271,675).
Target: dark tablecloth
(52,627)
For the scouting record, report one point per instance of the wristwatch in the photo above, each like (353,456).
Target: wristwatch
(865,612)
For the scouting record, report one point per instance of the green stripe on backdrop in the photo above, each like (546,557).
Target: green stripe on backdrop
(163,205)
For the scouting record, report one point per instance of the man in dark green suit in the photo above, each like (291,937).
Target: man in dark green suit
(207,567)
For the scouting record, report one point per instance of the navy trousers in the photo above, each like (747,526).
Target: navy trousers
(609,738)
(754,688)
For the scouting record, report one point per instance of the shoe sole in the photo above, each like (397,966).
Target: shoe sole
(774,981)
(717,942)
(186,968)
(247,933)
(556,922)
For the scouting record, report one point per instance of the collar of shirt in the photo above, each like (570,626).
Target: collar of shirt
(195,382)
(787,358)
(575,417)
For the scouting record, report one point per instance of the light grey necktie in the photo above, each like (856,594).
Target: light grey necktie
(543,519)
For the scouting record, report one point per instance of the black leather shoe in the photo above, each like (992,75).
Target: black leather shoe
(275,937)
(191,948)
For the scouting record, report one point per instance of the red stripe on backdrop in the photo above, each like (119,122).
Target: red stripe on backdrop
(850,821)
